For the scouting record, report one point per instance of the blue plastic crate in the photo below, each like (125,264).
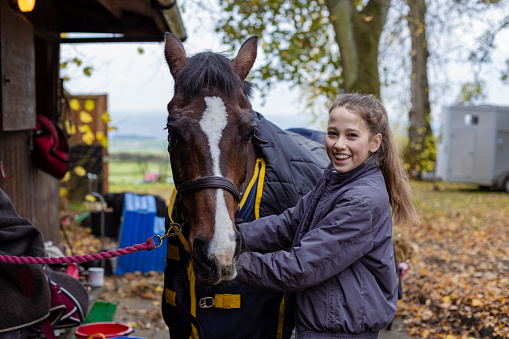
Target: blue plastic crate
(140,222)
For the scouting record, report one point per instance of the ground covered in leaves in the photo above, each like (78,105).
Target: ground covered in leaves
(137,295)
(457,284)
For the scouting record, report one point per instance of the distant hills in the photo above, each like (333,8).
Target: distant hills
(144,132)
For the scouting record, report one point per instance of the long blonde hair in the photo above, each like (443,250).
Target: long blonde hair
(371,110)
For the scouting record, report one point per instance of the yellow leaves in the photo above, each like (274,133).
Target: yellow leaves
(141,50)
(367,18)
(66,177)
(105,117)
(89,105)
(102,138)
(90,198)
(63,192)
(75,104)
(88,71)
(477,302)
(70,128)
(85,117)
(80,171)
(88,136)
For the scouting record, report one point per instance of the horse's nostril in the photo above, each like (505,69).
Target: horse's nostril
(201,247)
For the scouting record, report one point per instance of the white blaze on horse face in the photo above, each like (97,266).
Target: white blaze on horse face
(212,123)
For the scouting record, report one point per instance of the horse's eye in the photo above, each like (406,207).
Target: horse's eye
(250,134)
(172,132)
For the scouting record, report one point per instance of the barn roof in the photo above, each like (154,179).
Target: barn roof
(116,20)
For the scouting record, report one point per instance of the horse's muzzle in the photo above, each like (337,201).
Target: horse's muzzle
(208,271)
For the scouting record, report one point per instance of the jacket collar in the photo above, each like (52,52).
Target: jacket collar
(369,165)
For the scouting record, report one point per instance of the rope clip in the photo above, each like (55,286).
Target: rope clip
(169,233)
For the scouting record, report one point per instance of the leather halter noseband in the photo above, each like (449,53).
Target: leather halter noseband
(209,182)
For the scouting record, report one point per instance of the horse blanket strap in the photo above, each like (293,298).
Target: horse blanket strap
(209,182)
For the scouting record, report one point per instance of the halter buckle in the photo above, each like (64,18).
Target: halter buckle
(207,302)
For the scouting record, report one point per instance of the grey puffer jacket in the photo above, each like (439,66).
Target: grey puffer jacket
(341,258)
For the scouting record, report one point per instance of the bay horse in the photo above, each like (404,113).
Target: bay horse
(220,149)
(210,127)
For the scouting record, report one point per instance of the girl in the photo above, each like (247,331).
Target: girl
(340,260)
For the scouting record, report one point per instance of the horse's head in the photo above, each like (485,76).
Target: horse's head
(210,126)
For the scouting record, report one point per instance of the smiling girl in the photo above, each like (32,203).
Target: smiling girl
(334,249)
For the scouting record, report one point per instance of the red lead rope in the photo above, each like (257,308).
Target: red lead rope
(148,246)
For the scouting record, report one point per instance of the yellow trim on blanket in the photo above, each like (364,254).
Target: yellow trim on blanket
(173,252)
(192,283)
(170,297)
(227,301)
(259,189)
(281,320)
(251,183)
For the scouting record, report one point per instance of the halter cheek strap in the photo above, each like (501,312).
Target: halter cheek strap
(209,182)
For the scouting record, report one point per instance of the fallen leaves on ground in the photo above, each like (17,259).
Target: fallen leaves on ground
(137,294)
(142,293)
(458,282)
(457,285)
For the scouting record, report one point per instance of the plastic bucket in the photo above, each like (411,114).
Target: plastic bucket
(101,312)
(107,329)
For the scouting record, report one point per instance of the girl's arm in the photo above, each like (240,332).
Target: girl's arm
(341,238)
(274,232)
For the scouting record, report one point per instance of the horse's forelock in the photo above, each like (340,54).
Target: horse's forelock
(248,89)
(208,69)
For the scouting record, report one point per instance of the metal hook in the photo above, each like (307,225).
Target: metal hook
(168,233)
(2,172)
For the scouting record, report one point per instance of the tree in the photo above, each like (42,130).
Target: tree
(326,46)
(420,152)
(321,45)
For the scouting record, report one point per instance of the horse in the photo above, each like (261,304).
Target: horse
(217,156)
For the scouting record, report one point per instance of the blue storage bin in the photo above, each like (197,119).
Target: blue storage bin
(140,222)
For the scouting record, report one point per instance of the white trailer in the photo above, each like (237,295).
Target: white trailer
(474,146)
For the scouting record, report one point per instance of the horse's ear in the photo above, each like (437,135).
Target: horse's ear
(246,57)
(174,53)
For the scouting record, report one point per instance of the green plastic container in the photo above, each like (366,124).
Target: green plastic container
(100,312)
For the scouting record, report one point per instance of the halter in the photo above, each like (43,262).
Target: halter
(209,182)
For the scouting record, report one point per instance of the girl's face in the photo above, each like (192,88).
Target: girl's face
(348,140)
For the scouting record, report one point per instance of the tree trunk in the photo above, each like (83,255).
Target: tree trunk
(420,148)
(357,34)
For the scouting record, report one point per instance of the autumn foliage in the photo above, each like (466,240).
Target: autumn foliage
(458,282)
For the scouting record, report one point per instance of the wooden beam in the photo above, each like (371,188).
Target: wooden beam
(112,7)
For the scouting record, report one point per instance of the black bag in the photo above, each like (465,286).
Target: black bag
(51,152)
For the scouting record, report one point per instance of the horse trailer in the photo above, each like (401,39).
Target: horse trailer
(474,146)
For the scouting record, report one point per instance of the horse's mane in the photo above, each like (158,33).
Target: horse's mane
(209,69)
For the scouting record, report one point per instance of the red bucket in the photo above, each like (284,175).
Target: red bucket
(103,330)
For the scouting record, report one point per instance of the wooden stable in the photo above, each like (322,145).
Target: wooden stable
(31,85)
(87,144)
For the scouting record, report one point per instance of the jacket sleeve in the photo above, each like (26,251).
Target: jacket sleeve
(342,237)
(273,232)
